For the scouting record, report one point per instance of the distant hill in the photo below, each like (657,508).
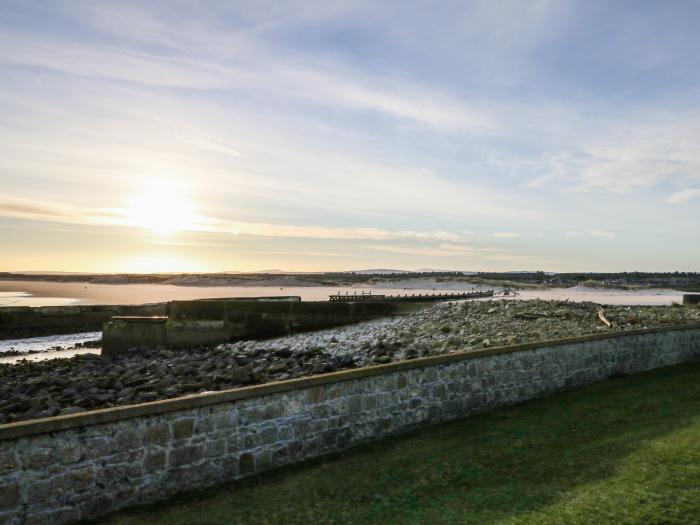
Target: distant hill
(384,271)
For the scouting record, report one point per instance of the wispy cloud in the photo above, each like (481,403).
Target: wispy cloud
(683,196)
(601,233)
(44,211)
(506,235)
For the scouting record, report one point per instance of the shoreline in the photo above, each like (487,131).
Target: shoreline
(57,293)
(31,390)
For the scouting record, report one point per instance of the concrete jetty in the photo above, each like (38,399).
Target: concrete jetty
(691,298)
(189,324)
(417,298)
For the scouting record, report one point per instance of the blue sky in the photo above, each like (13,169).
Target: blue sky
(208,136)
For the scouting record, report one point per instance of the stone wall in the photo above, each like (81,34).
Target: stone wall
(28,321)
(62,469)
(691,298)
(212,321)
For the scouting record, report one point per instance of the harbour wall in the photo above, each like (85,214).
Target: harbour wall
(28,321)
(691,298)
(62,469)
(205,322)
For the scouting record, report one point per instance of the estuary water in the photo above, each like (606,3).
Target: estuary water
(38,293)
(33,293)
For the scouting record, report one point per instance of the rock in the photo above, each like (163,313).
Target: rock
(275,368)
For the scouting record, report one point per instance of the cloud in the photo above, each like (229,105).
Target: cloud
(572,234)
(506,235)
(683,196)
(601,233)
(441,250)
(28,209)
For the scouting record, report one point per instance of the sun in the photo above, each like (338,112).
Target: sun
(162,207)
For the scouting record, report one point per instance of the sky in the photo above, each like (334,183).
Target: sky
(145,136)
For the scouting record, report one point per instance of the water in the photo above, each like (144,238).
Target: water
(28,299)
(36,293)
(651,297)
(46,345)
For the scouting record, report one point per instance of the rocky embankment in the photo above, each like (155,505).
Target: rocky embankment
(31,390)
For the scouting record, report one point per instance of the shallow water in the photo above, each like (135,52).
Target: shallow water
(35,293)
(652,297)
(44,345)
(12,298)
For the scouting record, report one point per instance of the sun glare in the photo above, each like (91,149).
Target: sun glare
(162,207)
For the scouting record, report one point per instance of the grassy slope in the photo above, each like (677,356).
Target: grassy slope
(623,451)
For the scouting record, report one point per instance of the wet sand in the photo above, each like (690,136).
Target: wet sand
(42,293)
(90,293)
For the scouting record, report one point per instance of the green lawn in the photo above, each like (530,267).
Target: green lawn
(623,451)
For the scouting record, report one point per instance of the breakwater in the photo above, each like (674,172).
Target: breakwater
(413,297)
(27,321)
(691,298)
(61,469)
(208,322)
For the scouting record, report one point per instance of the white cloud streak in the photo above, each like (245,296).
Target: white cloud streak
(28,209)
(683,196)
(602,234)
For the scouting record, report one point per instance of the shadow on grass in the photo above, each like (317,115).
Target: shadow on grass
(608,452)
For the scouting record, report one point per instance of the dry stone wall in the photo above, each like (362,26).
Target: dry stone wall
(63,469)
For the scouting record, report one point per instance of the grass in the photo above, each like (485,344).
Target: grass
(623,451)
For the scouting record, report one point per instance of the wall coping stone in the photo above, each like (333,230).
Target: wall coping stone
(95,417)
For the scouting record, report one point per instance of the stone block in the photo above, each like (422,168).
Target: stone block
(263,460)
(316,394)
(273,410)
(82,479)
(247,463)
(230,467)
(186,455)
(183,428)
(112,475)
(252,414)
(35,459)
(127,439)
(158,433)
(154,461)
(401,381)
(301,427)
(97,447)
(69,453)
(355,403)
(9,496)
(215,448)
(268,434)
(132,456)
(52,489)
(8,461)
(251,440)
(369,402)
(285,432)
(97,505)
(234,443)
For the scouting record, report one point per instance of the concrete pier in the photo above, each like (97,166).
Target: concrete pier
(190,324)
(691,298)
